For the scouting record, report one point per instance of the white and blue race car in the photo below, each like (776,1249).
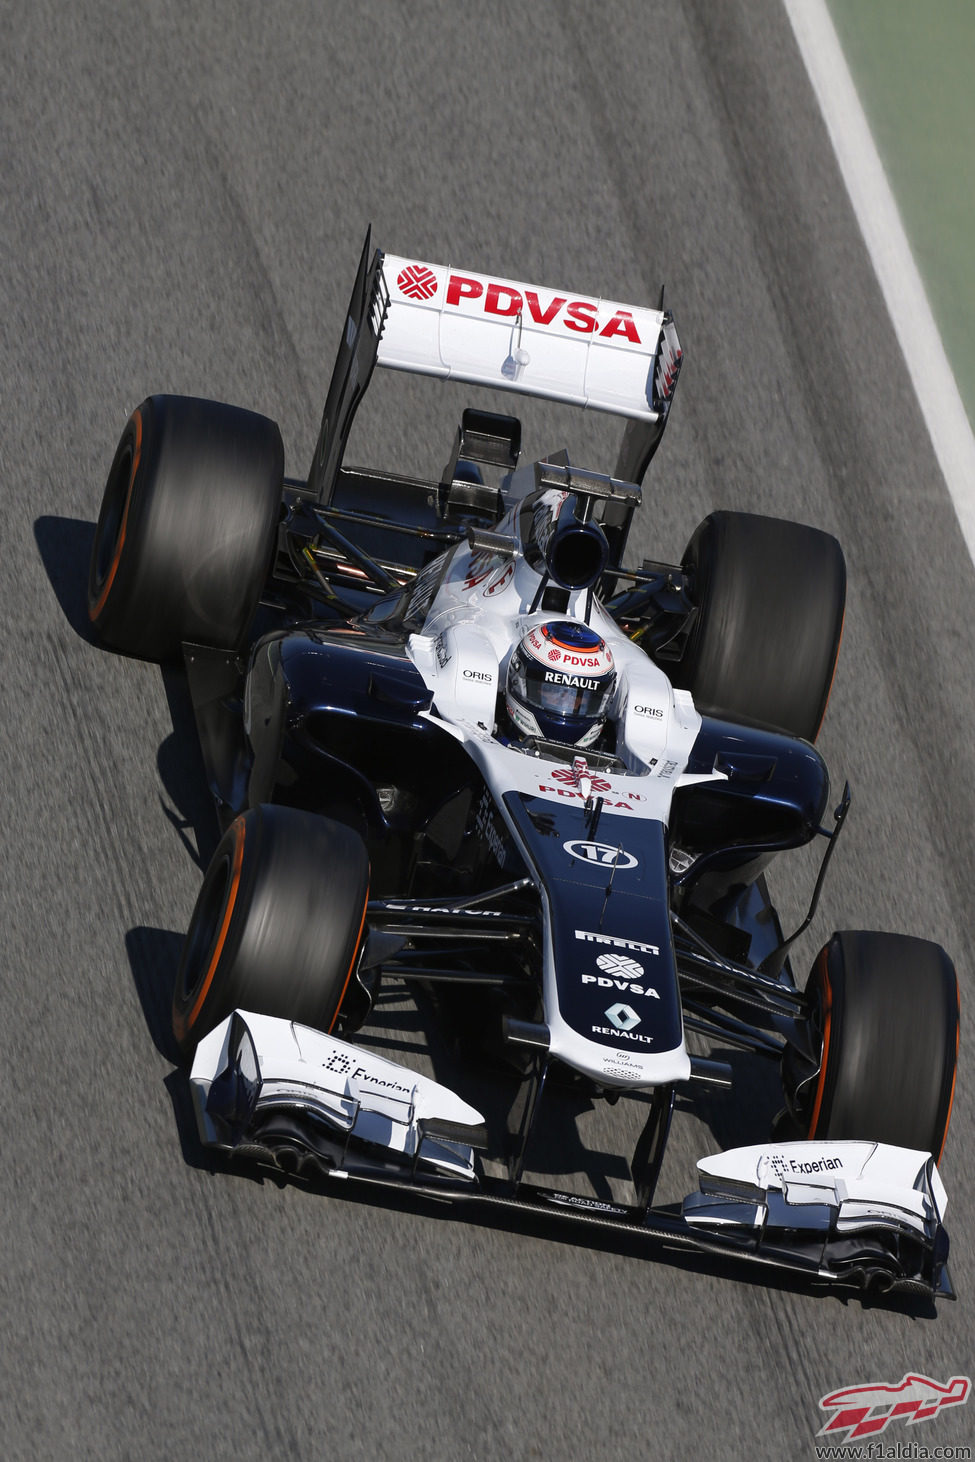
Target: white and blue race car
(456,746)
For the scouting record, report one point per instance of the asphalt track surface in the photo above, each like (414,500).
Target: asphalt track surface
(185,192)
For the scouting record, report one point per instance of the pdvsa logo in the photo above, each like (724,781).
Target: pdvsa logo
(565,774)
(541,309)
(620,966)
(417,282)
(582,316)
(865,1411)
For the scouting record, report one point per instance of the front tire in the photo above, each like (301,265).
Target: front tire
(277,925)
(770,597)
(885,1023)
(186,528)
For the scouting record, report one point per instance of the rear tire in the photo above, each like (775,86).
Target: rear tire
(885,1019)
(186,527)
(277,925)
(770,597)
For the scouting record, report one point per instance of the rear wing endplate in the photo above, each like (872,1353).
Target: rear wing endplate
(353,369)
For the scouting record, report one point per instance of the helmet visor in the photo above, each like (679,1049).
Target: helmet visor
(557,693)
(577,697)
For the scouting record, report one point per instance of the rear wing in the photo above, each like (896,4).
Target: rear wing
(434,320)
(519,337)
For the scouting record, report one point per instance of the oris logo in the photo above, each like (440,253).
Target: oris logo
(479,675)
(602,853)
(417,282)
(653,711)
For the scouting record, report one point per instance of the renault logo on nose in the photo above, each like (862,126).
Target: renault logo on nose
(624,1017)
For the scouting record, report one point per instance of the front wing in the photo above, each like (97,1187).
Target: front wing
(857,1214)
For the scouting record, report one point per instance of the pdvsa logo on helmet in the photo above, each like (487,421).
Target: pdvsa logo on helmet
(604,854)
(865,1411)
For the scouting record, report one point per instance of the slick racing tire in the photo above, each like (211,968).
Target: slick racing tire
(770,597)
(277,926)
(186,528)
(885,1022)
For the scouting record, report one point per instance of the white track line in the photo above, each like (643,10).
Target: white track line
(880,224)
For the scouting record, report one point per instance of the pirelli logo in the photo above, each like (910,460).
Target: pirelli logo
(590,938)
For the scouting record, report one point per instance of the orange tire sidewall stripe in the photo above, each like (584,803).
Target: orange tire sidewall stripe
(823,972)
(186,1022)
(99,605)
(352,963)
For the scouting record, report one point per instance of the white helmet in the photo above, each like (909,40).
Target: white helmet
(560,681)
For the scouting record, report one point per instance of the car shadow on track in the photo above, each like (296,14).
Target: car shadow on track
(154,959)
(179,760)
(64,545)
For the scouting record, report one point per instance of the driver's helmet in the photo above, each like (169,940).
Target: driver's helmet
(560,682)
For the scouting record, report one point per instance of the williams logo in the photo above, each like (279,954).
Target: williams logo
(865,1411)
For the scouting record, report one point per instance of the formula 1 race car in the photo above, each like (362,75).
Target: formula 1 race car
(453,742)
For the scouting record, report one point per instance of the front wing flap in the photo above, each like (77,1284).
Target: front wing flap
(859,1214)
(863,1211)
(261,1082)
